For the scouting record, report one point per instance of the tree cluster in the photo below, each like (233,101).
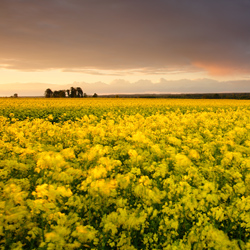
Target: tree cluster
(72,93)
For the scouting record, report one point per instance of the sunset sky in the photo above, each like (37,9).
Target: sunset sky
(123,42)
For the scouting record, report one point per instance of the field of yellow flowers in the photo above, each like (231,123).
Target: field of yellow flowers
(124,174)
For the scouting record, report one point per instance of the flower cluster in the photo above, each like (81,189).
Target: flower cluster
(124,174)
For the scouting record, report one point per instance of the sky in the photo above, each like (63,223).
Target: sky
(126,43)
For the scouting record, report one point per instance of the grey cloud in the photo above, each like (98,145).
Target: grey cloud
(124,35)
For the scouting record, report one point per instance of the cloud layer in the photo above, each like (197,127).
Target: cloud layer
(145,35)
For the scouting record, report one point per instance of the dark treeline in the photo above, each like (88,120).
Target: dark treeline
(78,93)
(71,93)
(241,96)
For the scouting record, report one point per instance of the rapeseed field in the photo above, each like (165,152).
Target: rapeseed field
(124,174)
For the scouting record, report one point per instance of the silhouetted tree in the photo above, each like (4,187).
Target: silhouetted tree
(62,93)
(79,92)
(48,93)
(72,92)
(95,95)
(56,93)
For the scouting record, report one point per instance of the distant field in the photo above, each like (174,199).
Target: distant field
(124,173)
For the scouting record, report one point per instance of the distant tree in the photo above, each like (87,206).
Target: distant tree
(48,93)
(72,92)
(62,93)
(79,92)
(56,94)
(95,95)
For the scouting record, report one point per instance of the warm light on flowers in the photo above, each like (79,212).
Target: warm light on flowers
(124,174)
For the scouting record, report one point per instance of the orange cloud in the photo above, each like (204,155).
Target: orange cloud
(214,69)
